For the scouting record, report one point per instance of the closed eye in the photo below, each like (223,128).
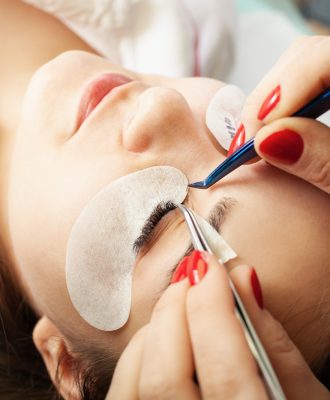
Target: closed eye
(157,214)
(215,218)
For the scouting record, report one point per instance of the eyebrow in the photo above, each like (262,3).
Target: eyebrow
(215,218)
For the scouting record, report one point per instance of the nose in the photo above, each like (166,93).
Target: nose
(166,131)
(163,120)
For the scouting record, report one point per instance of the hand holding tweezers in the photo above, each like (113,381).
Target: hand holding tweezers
(313,109)
(274,388)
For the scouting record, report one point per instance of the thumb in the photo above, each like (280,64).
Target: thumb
(299,146)
(294,374)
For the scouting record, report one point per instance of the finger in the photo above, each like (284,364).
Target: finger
(125,381)
(167,367)
(294,81)
(295,376)
(224,364)
(295,47)
(299,146)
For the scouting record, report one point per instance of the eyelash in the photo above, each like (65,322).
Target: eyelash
(158,213)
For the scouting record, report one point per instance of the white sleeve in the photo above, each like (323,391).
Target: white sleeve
(216,22)
(169,37)
(95,21)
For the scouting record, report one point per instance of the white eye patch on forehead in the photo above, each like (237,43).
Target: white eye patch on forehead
(100,255)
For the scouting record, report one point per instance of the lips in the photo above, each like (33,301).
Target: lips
(96,91)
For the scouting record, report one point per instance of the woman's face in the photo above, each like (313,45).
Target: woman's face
(276,223)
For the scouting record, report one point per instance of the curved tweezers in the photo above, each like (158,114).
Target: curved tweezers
(313,109)
(241,156)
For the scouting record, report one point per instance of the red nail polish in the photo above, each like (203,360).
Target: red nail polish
(269,104)
(197,267)
(238,140)
(256,289)
(181,271)
(284,146)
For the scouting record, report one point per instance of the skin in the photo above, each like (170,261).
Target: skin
(276,224)
(21,55)
(149,122)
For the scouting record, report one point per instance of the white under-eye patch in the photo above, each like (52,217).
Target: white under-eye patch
(100,255)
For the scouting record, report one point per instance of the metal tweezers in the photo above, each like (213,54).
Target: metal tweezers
(315,108)
(271,381)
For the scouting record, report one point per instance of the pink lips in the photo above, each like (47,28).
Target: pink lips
(96,91)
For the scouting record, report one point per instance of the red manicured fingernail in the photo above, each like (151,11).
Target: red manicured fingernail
(197,267)
(181,271)
(256,289)
(269,104)
(238,140)
(285,146)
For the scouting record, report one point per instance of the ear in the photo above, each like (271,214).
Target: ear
(53,348)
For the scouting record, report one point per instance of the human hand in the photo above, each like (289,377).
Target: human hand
(299,146)
(195,329)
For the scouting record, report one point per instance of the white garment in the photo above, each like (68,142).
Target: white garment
(169,37)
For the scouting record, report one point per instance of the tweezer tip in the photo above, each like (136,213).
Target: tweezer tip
(198,185)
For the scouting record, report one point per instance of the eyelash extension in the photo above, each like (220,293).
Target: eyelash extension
(157,214)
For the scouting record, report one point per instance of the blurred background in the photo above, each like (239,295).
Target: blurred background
(266,28)
(317,14)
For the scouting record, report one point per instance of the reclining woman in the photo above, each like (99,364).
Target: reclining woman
(61,158)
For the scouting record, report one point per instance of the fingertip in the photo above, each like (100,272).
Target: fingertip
(289,145)
(247,283)
(214,263)
(270,142)
(211,260)
(256,289)
(284,147)
(240,274)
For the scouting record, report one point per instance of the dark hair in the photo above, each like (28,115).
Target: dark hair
(324,373)
(22,370)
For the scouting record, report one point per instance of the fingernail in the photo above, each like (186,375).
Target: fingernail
(197,267)
(257,289)
(285,146)
(238,140)
(181,271)
(270,103)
